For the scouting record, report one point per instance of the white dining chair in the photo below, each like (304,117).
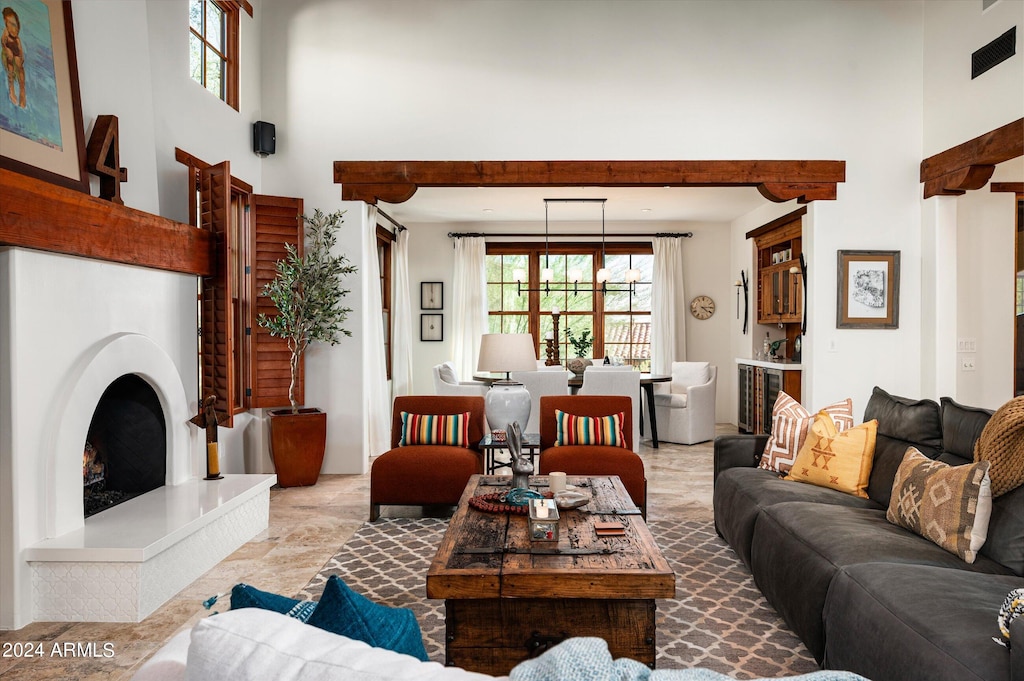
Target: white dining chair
(611,380)
(539,384)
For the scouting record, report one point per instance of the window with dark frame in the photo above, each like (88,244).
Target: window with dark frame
(213,45)
(619,321)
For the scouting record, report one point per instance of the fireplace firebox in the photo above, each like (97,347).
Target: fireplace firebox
(125,453)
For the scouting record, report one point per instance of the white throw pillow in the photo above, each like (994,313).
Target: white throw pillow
(255,644)
(447,373)
(688,374)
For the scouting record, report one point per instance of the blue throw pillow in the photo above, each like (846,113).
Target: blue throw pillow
(342,611)
(245,596)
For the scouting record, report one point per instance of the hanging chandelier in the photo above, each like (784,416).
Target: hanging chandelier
(574,276)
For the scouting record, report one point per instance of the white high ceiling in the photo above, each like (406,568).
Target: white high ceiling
(526,204)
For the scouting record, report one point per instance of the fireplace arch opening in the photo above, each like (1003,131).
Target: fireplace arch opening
(125,453)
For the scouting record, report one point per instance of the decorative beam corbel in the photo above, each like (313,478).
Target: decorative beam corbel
(372,193)
(970,165)
(803,192)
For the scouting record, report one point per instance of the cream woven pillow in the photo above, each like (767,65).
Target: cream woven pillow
(790,425)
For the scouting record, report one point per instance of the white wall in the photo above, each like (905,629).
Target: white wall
(957,108)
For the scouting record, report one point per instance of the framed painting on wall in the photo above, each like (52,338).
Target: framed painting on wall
(868,290)
(41,131)
(431,295)
(431,327)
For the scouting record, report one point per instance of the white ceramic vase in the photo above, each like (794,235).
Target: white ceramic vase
(506,402)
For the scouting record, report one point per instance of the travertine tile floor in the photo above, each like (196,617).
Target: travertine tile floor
(307,526)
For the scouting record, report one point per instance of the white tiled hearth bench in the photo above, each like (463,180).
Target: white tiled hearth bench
(129,560)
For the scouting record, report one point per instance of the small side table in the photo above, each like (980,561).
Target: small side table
(531,446)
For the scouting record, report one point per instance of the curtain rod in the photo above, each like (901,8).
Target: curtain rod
(617,235)
(398,225)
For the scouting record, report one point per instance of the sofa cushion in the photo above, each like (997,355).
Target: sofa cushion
(948,505)
(902,422)
(791,423)
(688,374)
(1005,543)
(343,611)
(798,547)
(838,460)
(571,429)
(936,623)
(741,493)
(446,371)
(253,645)
(1002,443)
(961,428)
(435,429)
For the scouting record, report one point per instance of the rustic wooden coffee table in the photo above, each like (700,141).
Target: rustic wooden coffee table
(508,598)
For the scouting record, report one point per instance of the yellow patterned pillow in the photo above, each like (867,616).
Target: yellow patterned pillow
(790,425)
(839,460)
(948,505)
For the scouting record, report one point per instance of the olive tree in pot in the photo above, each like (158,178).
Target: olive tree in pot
(308,294)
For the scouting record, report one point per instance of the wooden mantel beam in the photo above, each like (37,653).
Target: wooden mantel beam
(397,181)
(970,165)
(46,217)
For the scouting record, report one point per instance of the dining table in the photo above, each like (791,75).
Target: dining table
(647,381)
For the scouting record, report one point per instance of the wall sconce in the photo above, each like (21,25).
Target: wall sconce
(802,273)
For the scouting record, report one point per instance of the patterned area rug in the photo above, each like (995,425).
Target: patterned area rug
(718,620)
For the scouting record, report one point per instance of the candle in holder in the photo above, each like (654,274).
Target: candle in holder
(556,482)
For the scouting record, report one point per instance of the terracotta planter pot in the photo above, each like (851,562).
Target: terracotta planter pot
(297,444)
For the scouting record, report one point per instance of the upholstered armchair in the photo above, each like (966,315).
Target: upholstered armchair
(686,415)
(593,459)
(446,382)
(427,474)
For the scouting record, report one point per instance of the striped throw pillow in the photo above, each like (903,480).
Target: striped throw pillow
(589,430)
(435,429)
(790,425)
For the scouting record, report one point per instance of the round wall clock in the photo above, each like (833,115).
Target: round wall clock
(702,307)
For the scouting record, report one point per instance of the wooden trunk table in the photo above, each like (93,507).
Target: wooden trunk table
(508,598)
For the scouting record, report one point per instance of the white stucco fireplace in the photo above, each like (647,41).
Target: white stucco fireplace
(69,328)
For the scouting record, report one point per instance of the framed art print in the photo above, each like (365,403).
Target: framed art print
(431,327)
(41,131)
(431,295)
(868,290)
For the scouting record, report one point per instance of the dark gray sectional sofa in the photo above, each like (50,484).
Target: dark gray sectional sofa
(863,594)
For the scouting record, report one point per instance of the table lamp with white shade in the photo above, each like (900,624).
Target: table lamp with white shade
(507,400)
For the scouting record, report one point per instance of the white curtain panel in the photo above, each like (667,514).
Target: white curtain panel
(375,375)
(401,317)
(668,306)
(469,306)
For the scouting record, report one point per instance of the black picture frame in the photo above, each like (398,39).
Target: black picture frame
(868,290)
(431,295)
(431,327)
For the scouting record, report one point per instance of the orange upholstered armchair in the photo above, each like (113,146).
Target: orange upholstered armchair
(424,475)
(593,459)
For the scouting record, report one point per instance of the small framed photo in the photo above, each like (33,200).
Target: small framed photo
(431,327)
(868,290)
(431,295)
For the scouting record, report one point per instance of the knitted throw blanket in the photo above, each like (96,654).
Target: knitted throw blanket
(1002,443)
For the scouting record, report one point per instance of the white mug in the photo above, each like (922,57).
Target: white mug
(556,482)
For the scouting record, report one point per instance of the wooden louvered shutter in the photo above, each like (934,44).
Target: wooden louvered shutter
(273,222)
(217,342)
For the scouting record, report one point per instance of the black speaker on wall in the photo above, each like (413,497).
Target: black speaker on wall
(264,138)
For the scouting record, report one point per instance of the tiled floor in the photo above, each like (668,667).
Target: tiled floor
(307,526)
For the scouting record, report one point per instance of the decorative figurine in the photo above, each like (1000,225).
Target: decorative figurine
(207,418)
(522,466)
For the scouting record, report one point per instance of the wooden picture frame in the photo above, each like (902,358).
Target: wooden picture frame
(431,295)
(868,290)
(431,327)
(43,136)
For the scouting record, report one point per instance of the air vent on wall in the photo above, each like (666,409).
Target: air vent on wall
(996,52)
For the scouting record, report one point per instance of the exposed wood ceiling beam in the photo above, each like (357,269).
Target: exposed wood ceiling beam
(779,181)
(970,165)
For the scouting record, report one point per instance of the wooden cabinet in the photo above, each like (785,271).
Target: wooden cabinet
(759,386)
(780,298)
